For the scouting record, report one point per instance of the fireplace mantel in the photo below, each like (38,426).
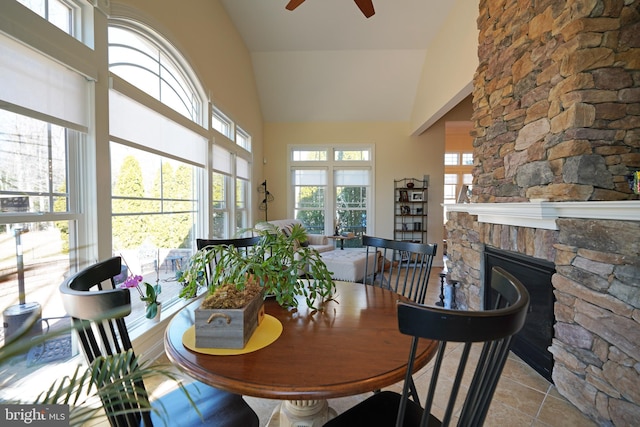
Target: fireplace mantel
(543,214)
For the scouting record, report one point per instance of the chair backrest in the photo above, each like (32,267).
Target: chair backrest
(494,328)
(98,309)
(242,244)
(403,267)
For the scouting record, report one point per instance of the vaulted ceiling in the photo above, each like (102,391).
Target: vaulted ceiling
(325,61)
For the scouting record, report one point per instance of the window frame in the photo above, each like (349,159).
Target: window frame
(190,82)
(331,165)
(462,172)
(243,139)
(228,128)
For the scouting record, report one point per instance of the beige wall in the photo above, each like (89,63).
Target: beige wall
(449,66)
(397,155)
(458,136)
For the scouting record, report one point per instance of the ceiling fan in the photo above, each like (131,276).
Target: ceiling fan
(366,6)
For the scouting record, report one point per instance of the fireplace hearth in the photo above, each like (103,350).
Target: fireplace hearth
(532,342)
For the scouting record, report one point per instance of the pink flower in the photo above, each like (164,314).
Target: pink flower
(132,282)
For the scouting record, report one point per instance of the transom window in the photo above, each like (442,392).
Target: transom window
(146,64)
(64,14)
(451,159)
(352,155)
(228,128)
(222,123)
(301,155)
(243,139)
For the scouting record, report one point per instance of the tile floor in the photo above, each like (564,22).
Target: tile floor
(523,397)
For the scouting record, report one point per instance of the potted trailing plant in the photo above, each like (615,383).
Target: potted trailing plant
(283,265)
(280,265)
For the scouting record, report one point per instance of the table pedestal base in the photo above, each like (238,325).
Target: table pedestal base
(301,413)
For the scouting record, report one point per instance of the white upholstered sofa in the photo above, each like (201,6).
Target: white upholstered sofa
(317,241)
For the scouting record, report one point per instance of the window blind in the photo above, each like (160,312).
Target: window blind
(33,82)
(134,122)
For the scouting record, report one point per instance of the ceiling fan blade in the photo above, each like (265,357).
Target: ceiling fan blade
(293,4)
(366,7)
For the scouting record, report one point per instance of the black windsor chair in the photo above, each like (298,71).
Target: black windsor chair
(403,267)
(494,328)
(98,309)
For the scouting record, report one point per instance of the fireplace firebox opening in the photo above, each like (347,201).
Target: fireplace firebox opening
(532,342)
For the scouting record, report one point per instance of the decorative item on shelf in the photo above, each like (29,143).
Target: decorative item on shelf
(416,196)
(404,196)
(417,226)
(278,264)
(405,210)
(410,184)
(268,198)
(419,211)
(465,194)
(634,182)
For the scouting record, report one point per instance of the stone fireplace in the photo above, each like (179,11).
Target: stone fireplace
(556,117)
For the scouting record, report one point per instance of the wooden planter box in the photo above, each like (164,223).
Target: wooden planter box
(228,328)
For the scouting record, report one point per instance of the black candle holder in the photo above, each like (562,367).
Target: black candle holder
(441,302)
(454,305)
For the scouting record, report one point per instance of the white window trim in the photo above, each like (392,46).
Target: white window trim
(330,165)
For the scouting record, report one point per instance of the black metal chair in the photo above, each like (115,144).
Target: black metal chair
(243,244)
(403,267)
(98,309)
(494,328)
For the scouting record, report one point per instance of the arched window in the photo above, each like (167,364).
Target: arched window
(148,62)
(157,156)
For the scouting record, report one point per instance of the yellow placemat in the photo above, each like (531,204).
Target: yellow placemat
(266,333)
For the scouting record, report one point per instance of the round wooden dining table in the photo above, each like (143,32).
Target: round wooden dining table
(351,346)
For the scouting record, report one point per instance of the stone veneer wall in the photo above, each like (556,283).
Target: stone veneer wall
(557,117)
